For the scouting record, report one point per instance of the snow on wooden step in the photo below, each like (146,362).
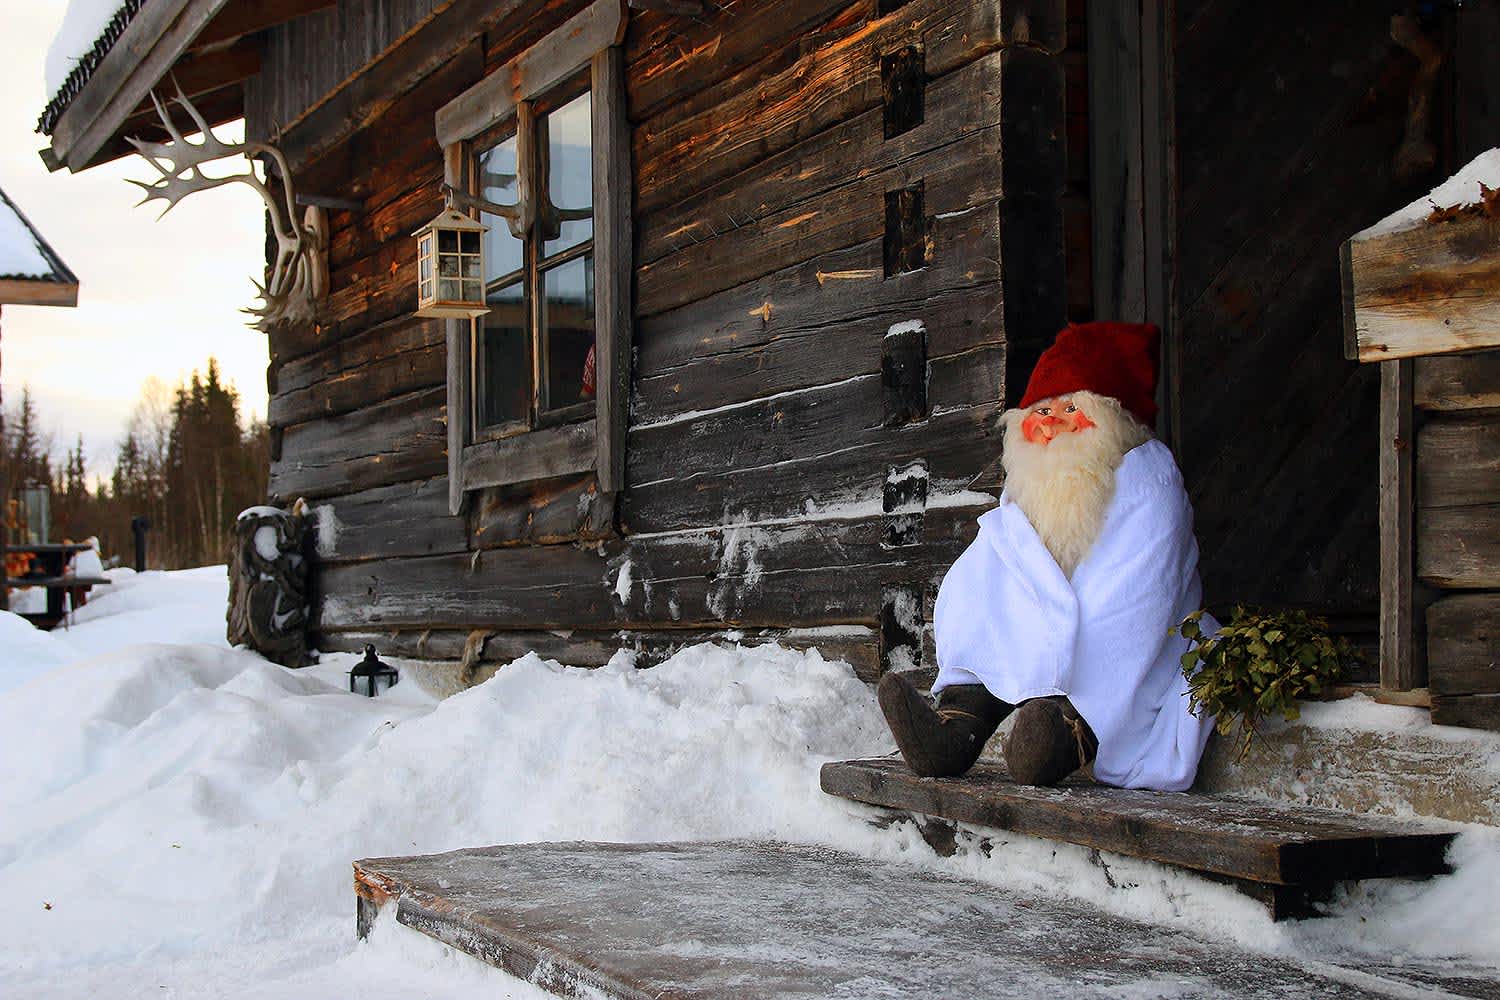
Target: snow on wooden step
(757,921)
(1237,838)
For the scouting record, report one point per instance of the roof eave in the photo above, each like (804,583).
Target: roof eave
(37,292)
(137,63)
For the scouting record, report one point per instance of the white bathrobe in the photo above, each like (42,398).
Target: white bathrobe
(1009,619)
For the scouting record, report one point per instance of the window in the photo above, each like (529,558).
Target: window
(534,353)
(538,151)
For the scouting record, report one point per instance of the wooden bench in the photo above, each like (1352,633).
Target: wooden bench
(1288,857)
(52,558)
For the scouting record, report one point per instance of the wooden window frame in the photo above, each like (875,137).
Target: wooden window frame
(591,40)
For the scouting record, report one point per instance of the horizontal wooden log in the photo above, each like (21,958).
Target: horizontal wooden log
(677,157)
(774,576)
(955,322)
(1458,381)
(959,104)
(541,513)
(367,232)
(956,178)
(1472,711)
(407,519)
(840,287)
(1430,289)
(394,441)
(1458,462)
(1459,547)
(1463,644)
(842,416)
(675,61)
(853,644)
(389,360)
(539,454)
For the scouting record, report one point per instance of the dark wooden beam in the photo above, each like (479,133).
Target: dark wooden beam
(247,17)
(196,74)
(682,8)
(26,292)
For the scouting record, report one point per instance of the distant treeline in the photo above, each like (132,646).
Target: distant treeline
(186,462)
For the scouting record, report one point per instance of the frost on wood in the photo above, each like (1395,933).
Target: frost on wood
(268,584)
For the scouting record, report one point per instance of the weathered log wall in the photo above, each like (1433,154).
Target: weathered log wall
(1458,532)
(806,231)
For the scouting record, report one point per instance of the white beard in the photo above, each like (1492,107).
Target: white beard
(1064,487)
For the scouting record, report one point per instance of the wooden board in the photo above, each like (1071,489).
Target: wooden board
(1474,711)
(1430,289)
(1458,381)
(389,360)
(542,512)
(1463,645)
(400,439)
(767,921)
(1234,837)
(407,519)
(1459,547)
(1458,461)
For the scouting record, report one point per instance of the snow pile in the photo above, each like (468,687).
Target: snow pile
(179,816)
(20,257)
(28,652)
(82,24)
(1460,189)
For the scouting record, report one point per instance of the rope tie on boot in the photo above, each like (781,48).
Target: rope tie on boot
(957,713)
(1081,736)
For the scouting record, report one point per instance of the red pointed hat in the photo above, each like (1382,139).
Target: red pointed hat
(1112,359)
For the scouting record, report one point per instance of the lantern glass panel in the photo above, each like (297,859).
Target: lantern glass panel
(447,241)
(504,358)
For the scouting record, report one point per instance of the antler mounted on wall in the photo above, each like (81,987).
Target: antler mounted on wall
(299,276)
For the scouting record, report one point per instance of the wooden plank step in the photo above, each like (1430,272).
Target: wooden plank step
(757,921)
(1240,839)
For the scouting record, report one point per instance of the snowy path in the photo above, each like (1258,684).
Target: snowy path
(178,818)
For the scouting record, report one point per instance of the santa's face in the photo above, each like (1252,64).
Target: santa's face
(1052,417)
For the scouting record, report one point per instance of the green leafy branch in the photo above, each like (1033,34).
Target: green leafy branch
(1259,664)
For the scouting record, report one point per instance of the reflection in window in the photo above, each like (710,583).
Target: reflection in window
(567,148)
(504,358)
(498,183)
(568,319)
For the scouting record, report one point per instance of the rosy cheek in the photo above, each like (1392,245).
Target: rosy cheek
(1081,421)
(1031,429)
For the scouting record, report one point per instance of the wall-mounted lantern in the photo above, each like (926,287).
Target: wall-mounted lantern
(450,267)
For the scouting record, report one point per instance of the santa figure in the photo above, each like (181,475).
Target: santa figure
(1060,609)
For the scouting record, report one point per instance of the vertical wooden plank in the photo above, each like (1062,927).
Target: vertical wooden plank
(613,241)
(1115,186)
(1158,201)
(1400,666)
(459,334)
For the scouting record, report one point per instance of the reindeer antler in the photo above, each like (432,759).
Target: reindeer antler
(296,278)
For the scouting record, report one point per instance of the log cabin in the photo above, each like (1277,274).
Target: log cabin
(772,271)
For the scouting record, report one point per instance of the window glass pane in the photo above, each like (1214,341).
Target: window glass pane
(497,183)
(568,324)
(566,140)
(504,358)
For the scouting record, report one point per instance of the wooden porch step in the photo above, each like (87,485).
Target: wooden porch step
(1284,855)
(762,921)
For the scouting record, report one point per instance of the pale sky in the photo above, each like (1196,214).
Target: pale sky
(155,297)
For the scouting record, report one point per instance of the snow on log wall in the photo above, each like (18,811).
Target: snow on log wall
(812,178)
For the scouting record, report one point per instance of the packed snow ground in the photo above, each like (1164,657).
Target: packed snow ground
(177,818)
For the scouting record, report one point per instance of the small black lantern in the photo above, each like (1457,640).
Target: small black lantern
(373,671)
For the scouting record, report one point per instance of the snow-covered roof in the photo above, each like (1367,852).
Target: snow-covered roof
(89,30)
(24,254)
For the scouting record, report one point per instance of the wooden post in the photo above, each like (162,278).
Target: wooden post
(459,371)
(613,243)
(1400,662)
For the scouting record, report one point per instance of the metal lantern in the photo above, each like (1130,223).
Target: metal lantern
(450,267)
(373,670)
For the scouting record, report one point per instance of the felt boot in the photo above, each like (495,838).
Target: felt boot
(1048,741)
(945,741)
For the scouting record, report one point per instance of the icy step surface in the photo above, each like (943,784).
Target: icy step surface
(1237,838)
(755,921)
